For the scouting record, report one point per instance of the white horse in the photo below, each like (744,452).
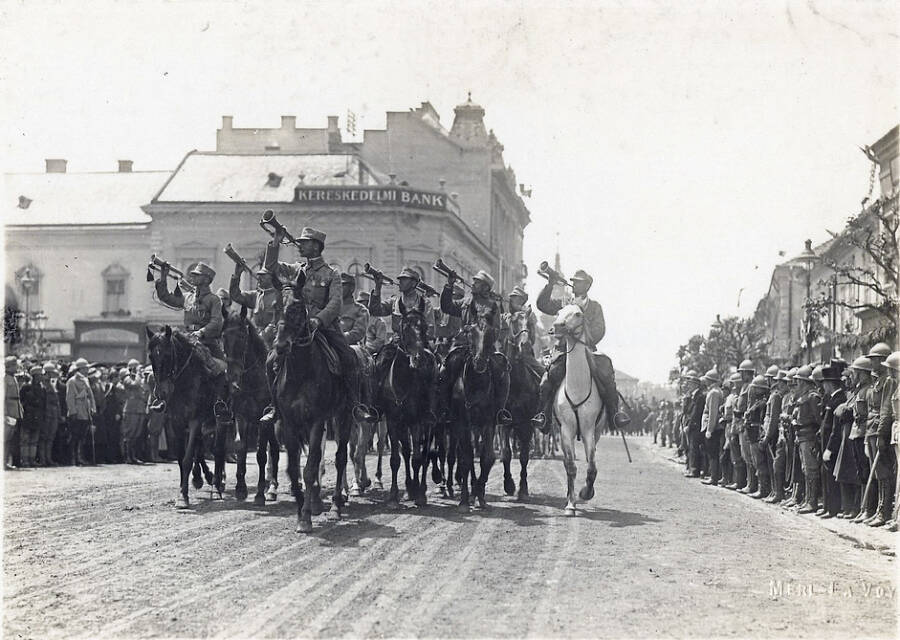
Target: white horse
(578,405)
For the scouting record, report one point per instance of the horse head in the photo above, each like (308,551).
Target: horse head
(481,343)
(517,336)
(413,335)
(569,322)
(236,344)
(295,314)
(169,353)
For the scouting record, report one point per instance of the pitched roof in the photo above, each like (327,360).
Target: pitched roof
(218,177)
(79,198)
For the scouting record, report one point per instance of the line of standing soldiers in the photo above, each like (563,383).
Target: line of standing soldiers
(817,438)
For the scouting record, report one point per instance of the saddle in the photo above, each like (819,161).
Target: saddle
(331,356)
(214,367)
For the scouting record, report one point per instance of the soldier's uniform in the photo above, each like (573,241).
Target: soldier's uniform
(769,436)
(52,415)
(858,438)
(134,414)
(808,414)
(34,398)
(354,318)
(696,405)
(322,295)
(265,305)
(594,330)
(711,428)
(202,313)
(757,398)
(12,409)
(470,310)
(878,430)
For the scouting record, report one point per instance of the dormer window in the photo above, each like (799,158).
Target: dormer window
(274,180)
(24,202)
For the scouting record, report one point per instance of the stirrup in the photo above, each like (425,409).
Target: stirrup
(269,416)
(221,411)
(158,406)
(504,418)
(362,413)
(539,422)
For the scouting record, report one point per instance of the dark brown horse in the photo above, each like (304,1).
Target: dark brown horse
(474,406)
(189,392)
(307,394)
(406,373)
(522,404)
(245,353)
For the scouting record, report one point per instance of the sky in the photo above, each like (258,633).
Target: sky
(673,149)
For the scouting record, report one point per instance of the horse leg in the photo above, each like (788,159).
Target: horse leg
(177,448)
(187,461)
(568,450)
(292,444)
(465,455)
(509,485)
(240,488)
(317,454)
(406,451)
(452,455)
(589,437)
(487,462)
(356,437)
(221,430)
(340,465)
(382,434)
(525,435)
(394,495)
(272,468)
(262,442)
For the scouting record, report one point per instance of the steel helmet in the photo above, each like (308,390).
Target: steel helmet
(781,375)
(893,361)
(691,375)
(759,382)
(804,373)
(880,350)
(711,376)
(772,371)
(735,377)
(818,374)
(862,363)
(746,365)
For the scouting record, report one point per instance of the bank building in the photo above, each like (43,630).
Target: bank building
(77,244)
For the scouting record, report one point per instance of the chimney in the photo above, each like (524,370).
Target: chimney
(289,122)
(334,135)
(332,124)
(55,165)
(226,122)
(125,166)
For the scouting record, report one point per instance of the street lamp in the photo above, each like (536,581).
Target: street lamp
(809,260)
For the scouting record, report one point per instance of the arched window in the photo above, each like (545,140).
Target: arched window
(115,290)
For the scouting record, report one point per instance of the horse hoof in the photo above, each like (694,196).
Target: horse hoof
(271,496)
(570,511)
(317,508)
(367,484)
(304,526)
(482,504)
(422,500)
(462,508)
(182,502)
(586,493)
(393,503)
(522,496)
(197,482)
(378,485)
(259,500)
(240,493)
(355,491)
(509,486)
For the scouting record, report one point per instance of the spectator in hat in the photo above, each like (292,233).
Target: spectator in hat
(12,412)
(33,399)
(80,407)
(52,415)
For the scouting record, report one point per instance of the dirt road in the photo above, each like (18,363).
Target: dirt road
(101,553)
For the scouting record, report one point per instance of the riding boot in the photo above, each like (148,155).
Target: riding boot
(885,498)
(812,496)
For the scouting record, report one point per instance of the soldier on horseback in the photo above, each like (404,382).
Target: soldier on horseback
(594,330)
(322,293)
(409,295)
(478,305)
(265,302)
(202,317)
(354,317)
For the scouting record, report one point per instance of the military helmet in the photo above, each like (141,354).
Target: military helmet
(880,350)
(308,233)
(759,382)
(746,365)
(36,370)
(862,363)
(893,361)
(804,373)
(691,375)
(408,272)
(781,375)
(735,377)
(772,371)
(711,376)
(485,277)
(519,291)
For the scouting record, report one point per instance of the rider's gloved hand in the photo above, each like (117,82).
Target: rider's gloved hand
(314,323)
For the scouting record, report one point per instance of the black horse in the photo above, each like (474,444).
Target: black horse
(405,391)
(474,407)
(190,394)
(522,404)
(307,394)
(246,353)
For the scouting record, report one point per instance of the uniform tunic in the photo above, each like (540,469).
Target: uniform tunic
(411,300)
(354,320)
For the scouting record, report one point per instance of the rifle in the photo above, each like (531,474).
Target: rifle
(238,260)
(552,275)
(865,495)
(442,268)
(372,273)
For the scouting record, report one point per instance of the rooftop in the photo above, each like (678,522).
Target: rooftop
(218,177)
(99,198)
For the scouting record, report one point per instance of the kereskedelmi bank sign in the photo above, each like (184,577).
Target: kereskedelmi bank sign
(362,196)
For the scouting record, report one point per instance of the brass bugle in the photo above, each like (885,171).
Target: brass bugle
(238,260)
(157,264)
(376,275)
(270,225)
(444,270)
(551,275)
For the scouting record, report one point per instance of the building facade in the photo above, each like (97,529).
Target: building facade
(85,238)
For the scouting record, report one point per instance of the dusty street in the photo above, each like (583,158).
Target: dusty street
(101,552)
